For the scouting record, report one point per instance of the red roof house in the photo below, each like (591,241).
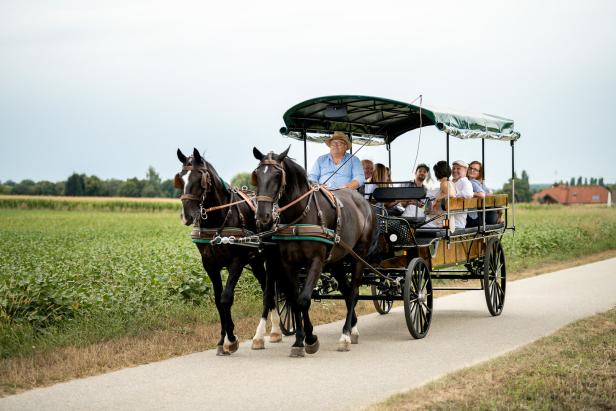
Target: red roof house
(564,194)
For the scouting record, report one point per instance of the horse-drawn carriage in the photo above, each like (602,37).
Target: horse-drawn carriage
(414,255)
(323,244)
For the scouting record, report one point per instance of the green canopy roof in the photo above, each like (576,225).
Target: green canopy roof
(375,120)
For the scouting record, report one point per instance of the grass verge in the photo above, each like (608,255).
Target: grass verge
(575,368)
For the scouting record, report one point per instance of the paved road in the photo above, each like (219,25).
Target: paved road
(385,362)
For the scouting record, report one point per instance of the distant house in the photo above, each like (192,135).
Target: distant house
(564,194)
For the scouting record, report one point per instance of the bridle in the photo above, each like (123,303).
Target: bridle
(278,166)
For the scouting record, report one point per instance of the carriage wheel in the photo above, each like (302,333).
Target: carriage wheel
(382,306)
(494,276)
(287,319)
(417,297)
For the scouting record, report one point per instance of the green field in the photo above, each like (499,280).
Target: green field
(78,275)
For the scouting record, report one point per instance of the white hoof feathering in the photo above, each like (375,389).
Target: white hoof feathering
(354,335)
(275,323)
(231,347)
(260,332)
(258,344)
(344,343)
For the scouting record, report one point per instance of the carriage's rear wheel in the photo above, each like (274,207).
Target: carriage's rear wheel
(417,297)
(382,305)
(287,319)
(494,276)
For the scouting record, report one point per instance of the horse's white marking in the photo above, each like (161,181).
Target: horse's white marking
(227,342)
(266,168)
(185,178)
(260,330)
(345,338)
(354,331)
(275,322)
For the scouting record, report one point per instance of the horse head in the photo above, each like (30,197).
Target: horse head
(195,182)
(270,179)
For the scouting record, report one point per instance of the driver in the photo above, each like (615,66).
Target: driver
(350,175)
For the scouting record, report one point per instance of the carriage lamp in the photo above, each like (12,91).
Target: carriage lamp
(393,237)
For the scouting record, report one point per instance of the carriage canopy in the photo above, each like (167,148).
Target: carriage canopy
(379,121)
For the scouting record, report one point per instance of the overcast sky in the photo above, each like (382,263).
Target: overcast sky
(111,87)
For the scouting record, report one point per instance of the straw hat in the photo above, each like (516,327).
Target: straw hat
(339,135)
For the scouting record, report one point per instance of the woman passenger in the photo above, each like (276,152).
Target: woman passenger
(442,172)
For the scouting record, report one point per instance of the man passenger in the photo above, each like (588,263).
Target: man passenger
(464,188)
(368,167)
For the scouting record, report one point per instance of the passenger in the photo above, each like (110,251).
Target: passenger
(442,172)
(415,208)
(368,167)
(350,175)
(379,176)
(475,176)
(464,189)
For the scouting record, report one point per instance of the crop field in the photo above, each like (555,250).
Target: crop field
(79,274)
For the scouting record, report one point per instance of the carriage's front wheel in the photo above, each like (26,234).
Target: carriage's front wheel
(382,305)
(287,319)
(494,276)
(417,297)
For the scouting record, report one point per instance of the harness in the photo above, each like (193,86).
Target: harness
(296,231)
(223,234)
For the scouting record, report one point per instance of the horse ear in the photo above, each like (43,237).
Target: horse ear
(181,157)
(258,155)
(197,159)
(283,155)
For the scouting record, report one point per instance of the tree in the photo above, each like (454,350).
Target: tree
(131,188)
(242,180)
(600,182)
(167,188)
(75,185)
(586,181)
(572,182)
(151,186)
(94,186)
(579,181)
(522,188)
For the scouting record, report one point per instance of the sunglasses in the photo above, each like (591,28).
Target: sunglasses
(474,169)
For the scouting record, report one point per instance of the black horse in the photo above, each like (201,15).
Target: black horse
(206,202)
(346,216)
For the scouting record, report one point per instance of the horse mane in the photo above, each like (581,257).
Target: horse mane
(297,179)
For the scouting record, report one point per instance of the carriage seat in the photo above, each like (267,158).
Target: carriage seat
(440,232)
(388,194)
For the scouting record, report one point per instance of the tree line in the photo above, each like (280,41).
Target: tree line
(83,185)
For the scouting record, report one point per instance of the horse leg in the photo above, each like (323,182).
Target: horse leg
(290,292)
(217,285)
(265,280)
(349,330)
(312,341)
(344,343)
(231,343)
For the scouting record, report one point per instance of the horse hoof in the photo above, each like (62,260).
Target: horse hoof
(354,338)
(220,350)
(297,352)
(232,347)
(275,338)
(258,344)
(344,346)
(313,348)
